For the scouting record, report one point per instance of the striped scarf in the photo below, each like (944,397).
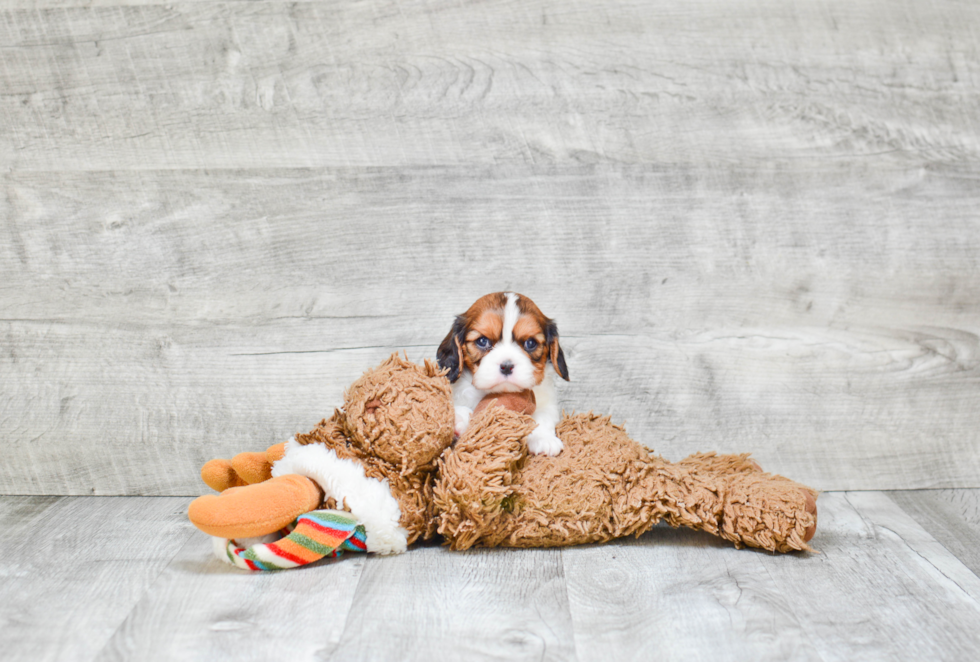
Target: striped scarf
(313,536)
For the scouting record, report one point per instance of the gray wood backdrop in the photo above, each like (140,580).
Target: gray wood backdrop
(756,222)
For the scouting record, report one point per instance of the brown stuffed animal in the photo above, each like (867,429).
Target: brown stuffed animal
(386,458)
(604,485)
(375,458)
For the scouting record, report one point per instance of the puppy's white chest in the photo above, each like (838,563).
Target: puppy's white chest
(542,440)
(464,393)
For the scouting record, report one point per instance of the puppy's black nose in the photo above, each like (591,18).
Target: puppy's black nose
(506,367)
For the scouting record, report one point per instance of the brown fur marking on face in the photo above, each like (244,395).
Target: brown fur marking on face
(490,324)
(529,327)
(528,307)
(484,318)
(555,353)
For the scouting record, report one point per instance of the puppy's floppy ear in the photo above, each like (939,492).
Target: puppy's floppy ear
(450,352)
(554,350)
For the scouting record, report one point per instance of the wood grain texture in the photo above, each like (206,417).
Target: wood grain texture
(74,569)
(952,517)
(433,604)
(128,578)
(218,85)
(881,588)
(678,595)
(203,609)
(152,320)
(755,222)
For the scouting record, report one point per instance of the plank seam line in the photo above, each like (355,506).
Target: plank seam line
(917,552)
(568,607)
(802,623)
(327,351)
(938,569)
(357,592)
(191,535)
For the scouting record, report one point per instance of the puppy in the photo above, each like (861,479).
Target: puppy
(505,343)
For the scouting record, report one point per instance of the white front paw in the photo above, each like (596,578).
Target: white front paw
(544,441)
(462,420)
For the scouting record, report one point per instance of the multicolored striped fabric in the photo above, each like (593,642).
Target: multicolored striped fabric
(311,537)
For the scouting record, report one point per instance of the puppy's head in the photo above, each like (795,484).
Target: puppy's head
(505,341)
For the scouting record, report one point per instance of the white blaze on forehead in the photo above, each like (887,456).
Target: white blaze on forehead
(488,376)
(511,313)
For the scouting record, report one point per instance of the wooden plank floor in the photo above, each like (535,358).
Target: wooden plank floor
(113,578)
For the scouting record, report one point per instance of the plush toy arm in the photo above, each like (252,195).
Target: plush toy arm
(771,512)
(476,475)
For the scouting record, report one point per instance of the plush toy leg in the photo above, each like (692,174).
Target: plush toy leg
(604,485)
(313,536)
(770,512)
(477,479)
(747,507)
(255,510)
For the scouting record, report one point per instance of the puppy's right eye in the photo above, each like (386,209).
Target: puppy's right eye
(483,342)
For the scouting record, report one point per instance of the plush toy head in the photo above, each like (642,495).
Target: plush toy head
(400,412)
(376,457)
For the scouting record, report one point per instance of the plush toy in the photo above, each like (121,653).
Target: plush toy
(388,462)
(376,459)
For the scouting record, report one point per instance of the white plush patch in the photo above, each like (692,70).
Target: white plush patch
(220,548)
(368,499)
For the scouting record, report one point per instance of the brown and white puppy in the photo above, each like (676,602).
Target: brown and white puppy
(504,343)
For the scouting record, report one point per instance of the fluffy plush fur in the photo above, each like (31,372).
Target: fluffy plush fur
(486,489)
(604,485)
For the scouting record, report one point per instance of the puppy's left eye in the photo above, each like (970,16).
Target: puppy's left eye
(530,345)
(483,342)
